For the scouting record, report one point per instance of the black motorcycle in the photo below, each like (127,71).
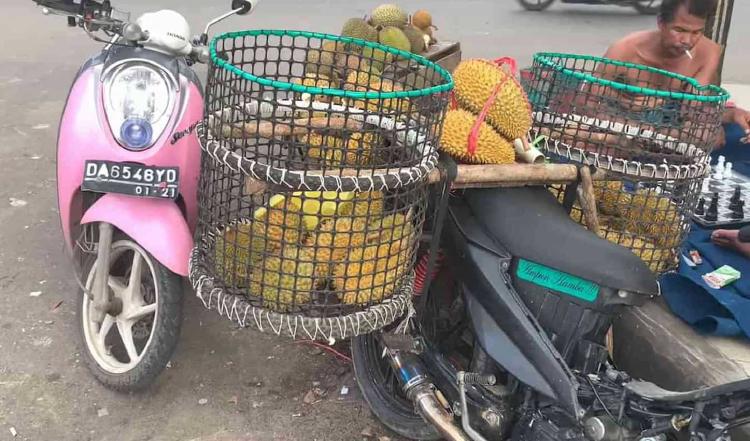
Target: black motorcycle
(650,7)
(508,339)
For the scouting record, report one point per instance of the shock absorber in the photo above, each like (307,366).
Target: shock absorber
(422,269)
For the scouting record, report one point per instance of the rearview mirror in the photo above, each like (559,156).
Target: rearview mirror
(244,5)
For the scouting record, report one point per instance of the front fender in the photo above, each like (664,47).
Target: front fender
(156,224)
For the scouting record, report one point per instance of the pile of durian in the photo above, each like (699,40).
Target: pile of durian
(390,25)
(317,248)
(645,221)
(359,68)
(508,118)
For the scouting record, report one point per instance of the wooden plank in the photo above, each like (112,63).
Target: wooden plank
(470,176)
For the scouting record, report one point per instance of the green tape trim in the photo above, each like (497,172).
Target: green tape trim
(557,280)
(720,95)
(282,85)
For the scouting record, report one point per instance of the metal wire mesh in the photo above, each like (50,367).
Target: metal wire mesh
(651,217)
(624,110)
(313,188)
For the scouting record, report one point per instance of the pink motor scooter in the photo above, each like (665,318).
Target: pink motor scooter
(128,161)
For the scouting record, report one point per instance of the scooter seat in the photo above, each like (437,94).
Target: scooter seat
(529,223)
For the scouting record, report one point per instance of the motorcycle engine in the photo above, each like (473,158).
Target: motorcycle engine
(549,424)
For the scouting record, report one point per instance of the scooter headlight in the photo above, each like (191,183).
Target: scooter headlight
(138,99)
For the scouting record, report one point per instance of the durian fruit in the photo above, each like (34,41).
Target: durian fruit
(359,28)
(654,216)
(323,60)
(389,15)
(333,240)
(491,148)
(279,222)
(378,58)
(657,259)
(416,39)
(283,280)
(376,84)
(318,204)
(360,79)
(475,81)
(610,198)
(422,19)
(236,251)
(371,272)
(394,37)
(335,151)
(316,80)
(368,204)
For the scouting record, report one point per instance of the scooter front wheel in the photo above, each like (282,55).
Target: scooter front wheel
(536,5)
(134,342)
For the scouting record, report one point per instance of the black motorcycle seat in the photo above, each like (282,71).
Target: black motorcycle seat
(530,223)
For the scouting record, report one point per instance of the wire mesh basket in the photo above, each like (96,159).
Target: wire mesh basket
(649,217)
(602,107)
(313,183)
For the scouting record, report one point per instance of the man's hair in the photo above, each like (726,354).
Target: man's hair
(698,8)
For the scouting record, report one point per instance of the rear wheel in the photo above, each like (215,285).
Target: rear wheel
(132,345)
(536,5)
(647,7)
(381,389)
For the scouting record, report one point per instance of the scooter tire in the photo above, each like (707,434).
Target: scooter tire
(165,333)
(533,5)
(387,408)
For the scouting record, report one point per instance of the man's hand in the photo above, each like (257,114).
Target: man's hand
(740,117)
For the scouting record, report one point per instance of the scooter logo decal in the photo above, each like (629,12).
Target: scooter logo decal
(557,280)
(176,136)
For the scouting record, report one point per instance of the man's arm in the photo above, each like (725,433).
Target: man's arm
(709,72)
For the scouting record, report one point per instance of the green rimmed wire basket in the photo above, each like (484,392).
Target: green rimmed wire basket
(651,130)
(313,185)
(607,109)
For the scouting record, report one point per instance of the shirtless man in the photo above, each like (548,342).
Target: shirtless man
(681,24)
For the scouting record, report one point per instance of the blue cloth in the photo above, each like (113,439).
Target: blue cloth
(723,311)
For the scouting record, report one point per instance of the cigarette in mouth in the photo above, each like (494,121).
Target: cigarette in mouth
(687,52)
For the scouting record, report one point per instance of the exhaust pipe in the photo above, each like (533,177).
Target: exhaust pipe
(420,391)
